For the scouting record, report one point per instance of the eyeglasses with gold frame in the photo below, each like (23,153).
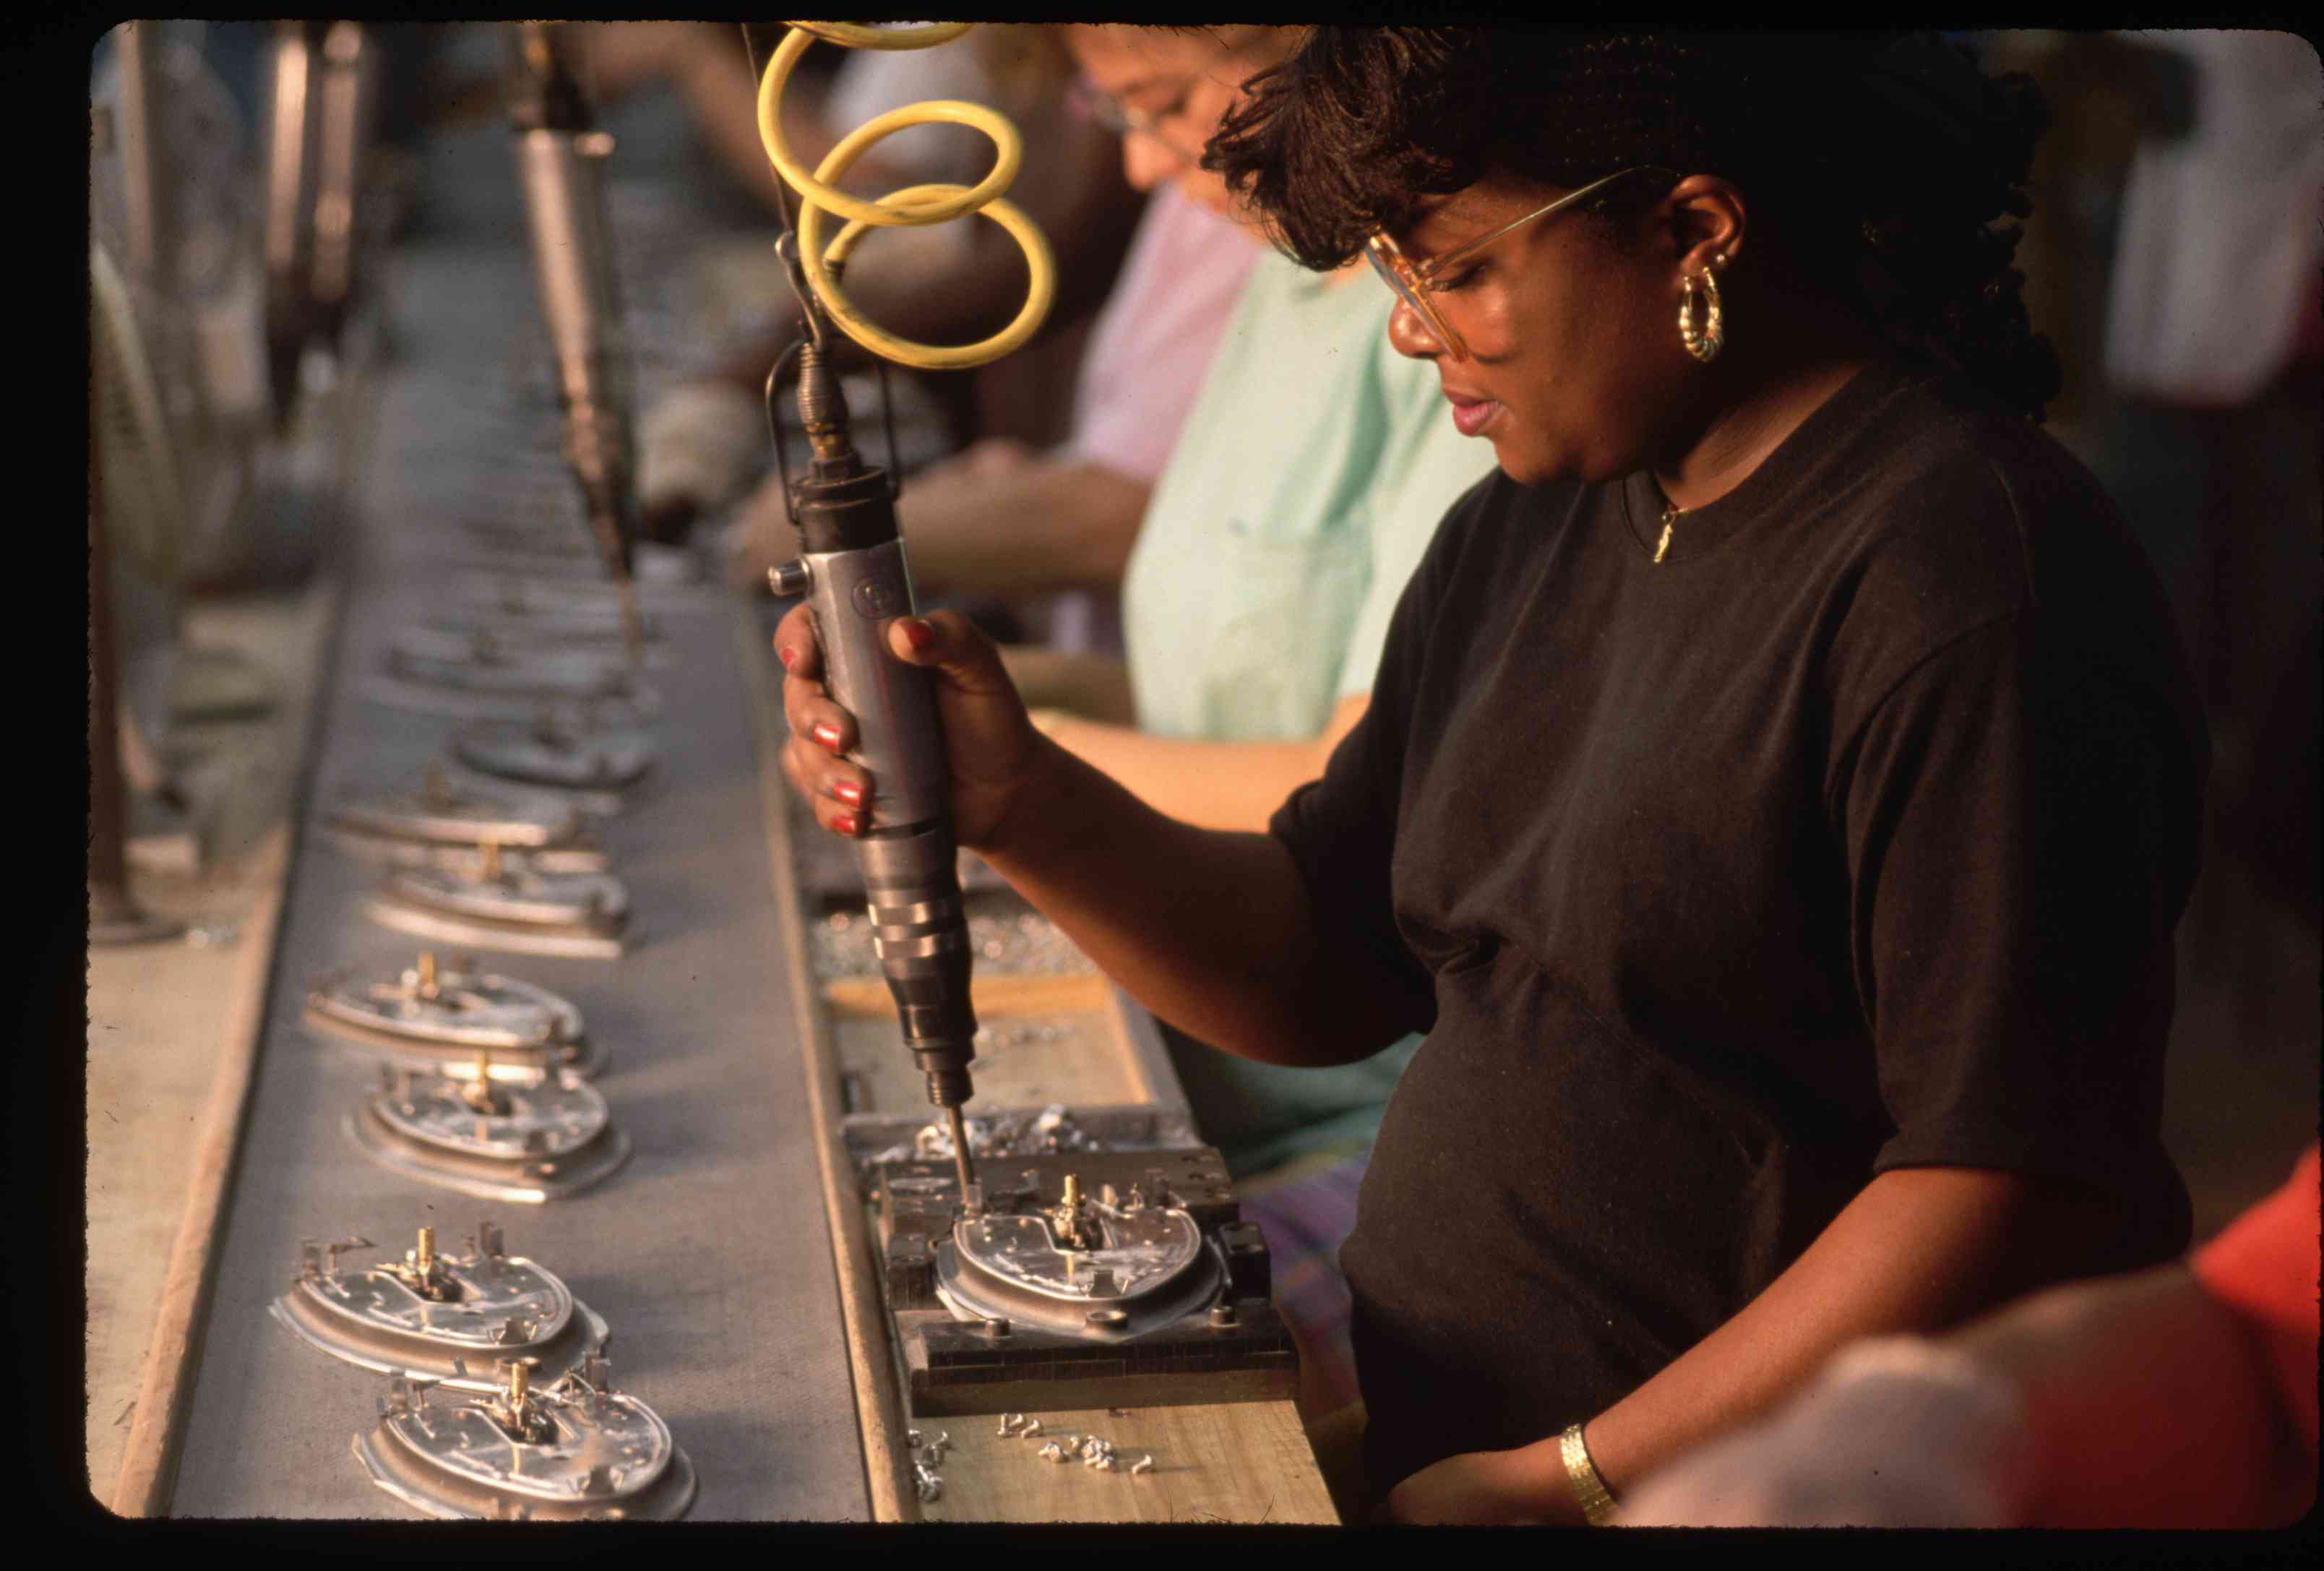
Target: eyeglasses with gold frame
(1414,280)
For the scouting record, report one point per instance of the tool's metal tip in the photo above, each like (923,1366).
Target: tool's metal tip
(961,1160)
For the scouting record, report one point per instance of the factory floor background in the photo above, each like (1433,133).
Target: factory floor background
(158,1013)
(2241,1100)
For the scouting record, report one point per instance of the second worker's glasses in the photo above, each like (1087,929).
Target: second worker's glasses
(1123,120)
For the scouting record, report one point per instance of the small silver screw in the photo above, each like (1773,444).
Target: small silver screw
(1008,1422)
(1145,1463)
(1031,1428)
(1054,1451)
(931,1455)
(912,1439)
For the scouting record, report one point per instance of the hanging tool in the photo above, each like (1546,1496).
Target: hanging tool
(560,156)
(852,566)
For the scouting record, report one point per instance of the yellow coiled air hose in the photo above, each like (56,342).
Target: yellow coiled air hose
(912,206)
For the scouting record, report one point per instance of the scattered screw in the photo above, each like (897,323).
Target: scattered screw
(932,1455)
(1145,1462)
(912,1439)
(1053,1451)
(1031,1428)
(1008,1422)
(931,1487)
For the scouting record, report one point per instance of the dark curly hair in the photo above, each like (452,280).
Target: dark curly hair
(1882,162)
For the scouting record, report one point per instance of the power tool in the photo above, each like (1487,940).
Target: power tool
(560,156)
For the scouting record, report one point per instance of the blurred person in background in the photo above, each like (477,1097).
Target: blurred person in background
(2179,1397)
(2214,343)
(940,283)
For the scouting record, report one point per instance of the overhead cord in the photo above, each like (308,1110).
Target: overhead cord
(818,265)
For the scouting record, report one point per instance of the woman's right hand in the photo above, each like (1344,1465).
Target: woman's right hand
(991,747)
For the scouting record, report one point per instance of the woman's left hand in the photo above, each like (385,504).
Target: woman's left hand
(1481,1488)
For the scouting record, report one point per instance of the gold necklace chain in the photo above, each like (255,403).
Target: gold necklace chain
(1670,517)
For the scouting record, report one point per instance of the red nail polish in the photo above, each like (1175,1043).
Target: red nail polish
(827,734)
(788,657)
(848,791)
(845,823)
(919,633)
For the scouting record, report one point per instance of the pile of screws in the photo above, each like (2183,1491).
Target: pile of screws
(928,1456)
(1095,1452)
(1050,1131)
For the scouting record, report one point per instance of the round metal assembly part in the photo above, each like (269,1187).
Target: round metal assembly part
(437,812)
(465,704)
(566,673)
(517,595)
(580,856)
(1107,1273)
(584,914)
(545,755)
(453,634)
(590,804)
(574,1451)
(441,1019)
(528,1144)
(448,1319)
(548,624)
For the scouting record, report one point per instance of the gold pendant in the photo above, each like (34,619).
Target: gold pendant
(1663,544)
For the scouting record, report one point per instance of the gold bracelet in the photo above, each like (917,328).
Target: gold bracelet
(1598,1504)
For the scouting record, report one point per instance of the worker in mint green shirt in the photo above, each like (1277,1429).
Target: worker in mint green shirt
(1306,483)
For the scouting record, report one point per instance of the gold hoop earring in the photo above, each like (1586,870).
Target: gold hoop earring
(1703,342)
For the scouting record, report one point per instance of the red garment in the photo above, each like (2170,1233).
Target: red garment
(2265,1267)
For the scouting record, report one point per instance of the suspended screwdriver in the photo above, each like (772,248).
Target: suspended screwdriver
(852,569)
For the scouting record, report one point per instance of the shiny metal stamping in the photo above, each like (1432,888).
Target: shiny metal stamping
(440,1317)
(575,1450)
(525,1143)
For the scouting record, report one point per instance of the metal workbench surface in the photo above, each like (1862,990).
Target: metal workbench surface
(708,1254)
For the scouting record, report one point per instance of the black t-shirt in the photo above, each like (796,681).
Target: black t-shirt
(1849,836)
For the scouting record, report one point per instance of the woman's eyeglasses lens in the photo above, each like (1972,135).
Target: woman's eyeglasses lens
(1392,273)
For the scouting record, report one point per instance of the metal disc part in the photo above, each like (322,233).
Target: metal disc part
(525,1144)
(564,673)
(462,703)
(545,755)
(582,914)
(576,1451)
(454,1324)
(583,856)
(1133,1270)
(442,1021)
(440,812)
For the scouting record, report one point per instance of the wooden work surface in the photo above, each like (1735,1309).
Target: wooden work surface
(1229,1462)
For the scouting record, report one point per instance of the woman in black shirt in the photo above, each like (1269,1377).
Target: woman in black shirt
(1781,778)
